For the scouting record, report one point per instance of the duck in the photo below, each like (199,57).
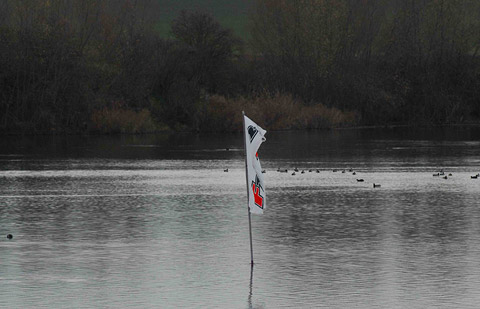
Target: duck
(474,176)
(264,171)
(318,171)
(376,185)
(354,173)
(9,236)
(293,174)
(445,177)
(303,172)
(296,169)
(360,180)
(226,170)
(450,174)
(343,172)
(310,170)
(436,174)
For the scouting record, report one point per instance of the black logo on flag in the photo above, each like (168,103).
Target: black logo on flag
(252,131)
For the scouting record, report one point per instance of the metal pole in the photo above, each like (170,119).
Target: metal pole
(248,190)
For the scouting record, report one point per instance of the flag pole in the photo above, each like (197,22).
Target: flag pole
(248,190)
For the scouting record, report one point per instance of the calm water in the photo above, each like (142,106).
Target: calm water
(153,221)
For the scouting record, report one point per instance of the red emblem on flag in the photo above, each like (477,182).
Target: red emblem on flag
(257,198)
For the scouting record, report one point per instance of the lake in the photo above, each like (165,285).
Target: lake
(154,221)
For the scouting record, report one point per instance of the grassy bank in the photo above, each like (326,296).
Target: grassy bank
(221,114)
(116,120)
(275,112)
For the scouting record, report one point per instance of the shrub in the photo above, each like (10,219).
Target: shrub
(117,120)
(275,112)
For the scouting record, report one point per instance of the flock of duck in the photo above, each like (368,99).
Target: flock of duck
(375,185)
(444,176)
(441,173)
(296,170)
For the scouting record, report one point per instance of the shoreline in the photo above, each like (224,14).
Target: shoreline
(171,131)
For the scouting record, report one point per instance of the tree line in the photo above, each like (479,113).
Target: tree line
(85,65)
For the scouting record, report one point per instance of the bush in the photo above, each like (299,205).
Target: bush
(115,120)
(275,112)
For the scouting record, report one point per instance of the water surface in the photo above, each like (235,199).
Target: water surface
(154,221)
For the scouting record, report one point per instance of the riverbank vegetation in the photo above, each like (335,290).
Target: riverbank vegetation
(100,66)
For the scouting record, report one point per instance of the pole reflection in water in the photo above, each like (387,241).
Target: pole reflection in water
(250,293)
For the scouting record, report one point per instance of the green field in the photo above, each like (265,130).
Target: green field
(232,14)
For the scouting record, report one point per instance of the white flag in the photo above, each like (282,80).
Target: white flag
(254,135)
